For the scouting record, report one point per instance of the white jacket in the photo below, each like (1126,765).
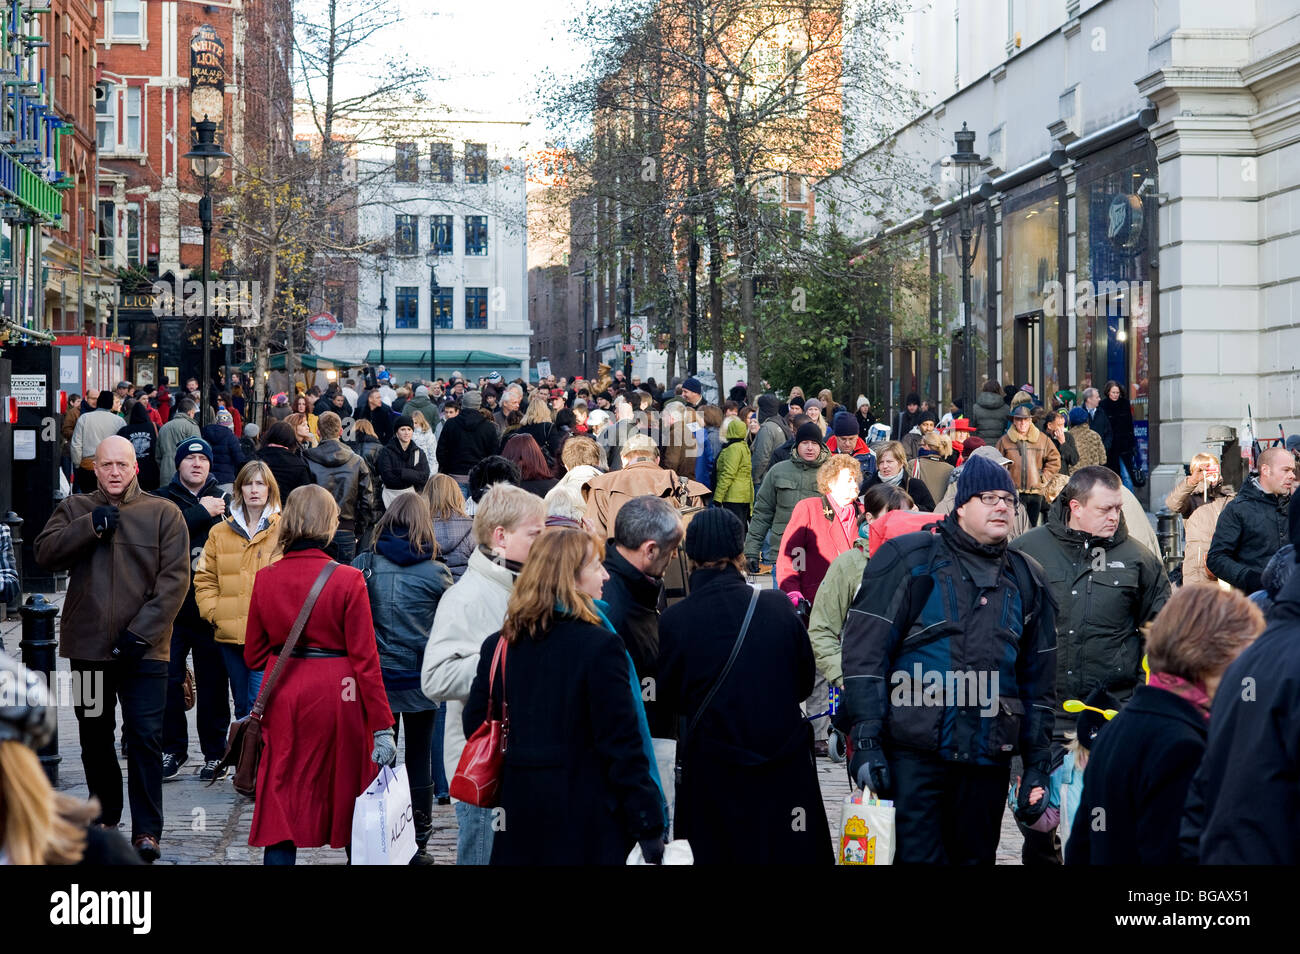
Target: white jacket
(468,613)
(89,431)
(574,479)
(427,441)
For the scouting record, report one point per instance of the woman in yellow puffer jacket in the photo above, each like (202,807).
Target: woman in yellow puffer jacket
(239,546)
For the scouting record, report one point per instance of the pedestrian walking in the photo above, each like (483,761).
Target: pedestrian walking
(202,504)
(342,472)
(237,548)
(423,435)
(784,485)
(1034,460)
(507,522)
(403,468)
(405,582)
(579,782)
(647,533)
(1120,452)
(127,554)
(990,413)
(947,766)
(323,746)
(286,457)
(465,440)
(744,728)
(227,455)
(142,434)
(891,470)
(452,527)
(1087,442)
(1141,767)
(1254,524)
(90,429)
(734,490)
(534,473)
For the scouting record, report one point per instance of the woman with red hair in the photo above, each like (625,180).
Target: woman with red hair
(534,473)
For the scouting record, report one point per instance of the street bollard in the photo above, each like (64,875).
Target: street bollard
(38,651)
(15,525)
(1167,534)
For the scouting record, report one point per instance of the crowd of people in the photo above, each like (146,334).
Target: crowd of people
(595,557)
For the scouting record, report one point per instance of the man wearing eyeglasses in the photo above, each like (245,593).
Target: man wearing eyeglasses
(1107,586)
(949,657)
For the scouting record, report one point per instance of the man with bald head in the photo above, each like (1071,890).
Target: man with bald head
(1254,524)
(127,555)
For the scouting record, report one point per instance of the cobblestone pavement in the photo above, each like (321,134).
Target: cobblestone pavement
(210,824)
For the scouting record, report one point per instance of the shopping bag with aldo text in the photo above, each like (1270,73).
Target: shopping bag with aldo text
(383,824)
(866,831)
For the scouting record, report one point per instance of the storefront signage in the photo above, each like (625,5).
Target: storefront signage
(29,389)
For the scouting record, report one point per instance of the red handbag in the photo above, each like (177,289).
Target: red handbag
(478,774)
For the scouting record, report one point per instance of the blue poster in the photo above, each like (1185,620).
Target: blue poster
(1142,436)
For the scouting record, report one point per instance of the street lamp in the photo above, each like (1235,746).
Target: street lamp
(381,266)
(626,239)
(208,155)
(431,259)
(967,161)
(228,274)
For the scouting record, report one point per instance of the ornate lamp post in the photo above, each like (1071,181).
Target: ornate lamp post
(208,155)
(967,161)
(431,259)
(381,266)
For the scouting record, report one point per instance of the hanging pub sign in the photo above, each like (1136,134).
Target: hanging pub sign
(207,81)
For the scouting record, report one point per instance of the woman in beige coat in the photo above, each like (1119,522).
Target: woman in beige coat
(239,546)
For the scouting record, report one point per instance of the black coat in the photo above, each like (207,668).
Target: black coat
(634,601)
(288,467)
(1244,802)
(753,738)
(1119,415)
(381,419)
(914,487)
(905,421)
(577,787)
(1252,527)
(227,455)
(400,469)
(465,440)
(1100,423)
(865,421)
(198,523)
(1135,785)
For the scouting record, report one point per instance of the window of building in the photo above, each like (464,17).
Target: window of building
(408,307)
(133,233)
(105,117)
(442,305)
(334,300)
(407,168)
(106,213)
(126,19)
(131,121)
(476,235)
(476,170)
(476,305)
(405,241)
(794,188)
(440,233)
(796,230)
(440,161)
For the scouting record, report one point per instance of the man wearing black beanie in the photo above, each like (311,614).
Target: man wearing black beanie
(949,671)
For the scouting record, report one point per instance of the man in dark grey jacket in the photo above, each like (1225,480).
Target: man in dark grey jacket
(344,473)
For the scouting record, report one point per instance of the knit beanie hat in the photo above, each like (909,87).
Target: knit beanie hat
(472,401)
(715,534)
(197,445)
(225,419)
(807,432)
(980,476)
(844,425)
(1078,416)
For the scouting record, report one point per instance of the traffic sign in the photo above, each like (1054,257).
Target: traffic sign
(628,348)
(322,326)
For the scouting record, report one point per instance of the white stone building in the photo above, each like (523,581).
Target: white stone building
(1125,142)
(463,197)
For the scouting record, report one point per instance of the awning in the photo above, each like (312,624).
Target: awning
(453,359)
(312,362)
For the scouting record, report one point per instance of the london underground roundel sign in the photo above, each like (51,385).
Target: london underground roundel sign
(322,326)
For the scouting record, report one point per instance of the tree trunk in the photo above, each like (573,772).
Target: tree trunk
(715,294)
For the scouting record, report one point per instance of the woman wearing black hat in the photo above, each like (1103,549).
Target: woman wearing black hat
(745,749)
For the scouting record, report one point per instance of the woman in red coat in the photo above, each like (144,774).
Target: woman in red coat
(820,528)
(327,724)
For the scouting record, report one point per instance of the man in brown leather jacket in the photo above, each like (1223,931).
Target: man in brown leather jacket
(128,553)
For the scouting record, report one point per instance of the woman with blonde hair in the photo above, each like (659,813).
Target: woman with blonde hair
(891,469)
(405,581)
(453,528)
(580,784)
(303,432)
(237,548)
(326,726)
(424,438)
(301,405)
(39,826)
(1141,766)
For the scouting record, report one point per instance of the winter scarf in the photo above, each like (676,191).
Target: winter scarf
(1188,691)
(396,548)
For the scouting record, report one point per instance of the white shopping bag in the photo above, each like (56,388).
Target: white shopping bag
(383,824)
(666,762)
(675,853)
(866,831)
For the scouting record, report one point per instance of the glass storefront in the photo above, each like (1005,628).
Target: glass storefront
(949,292)
(1114,291)
(1030,261)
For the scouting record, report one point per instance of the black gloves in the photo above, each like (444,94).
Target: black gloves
(129,647)
(653,850)
(104,520)
(753,565)
(870,768)
(1032,779)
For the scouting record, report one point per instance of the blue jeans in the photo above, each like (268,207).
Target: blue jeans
(281,853)
(1125,478)
(245,683)
(474,840)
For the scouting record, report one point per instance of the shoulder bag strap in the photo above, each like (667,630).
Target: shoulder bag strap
(722,677)
(269,683)
(498,659)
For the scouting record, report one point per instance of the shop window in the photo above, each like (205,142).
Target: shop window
(1030,247)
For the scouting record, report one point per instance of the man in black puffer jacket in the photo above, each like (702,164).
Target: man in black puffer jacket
(465,440)
(345,475)
(1253,526)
